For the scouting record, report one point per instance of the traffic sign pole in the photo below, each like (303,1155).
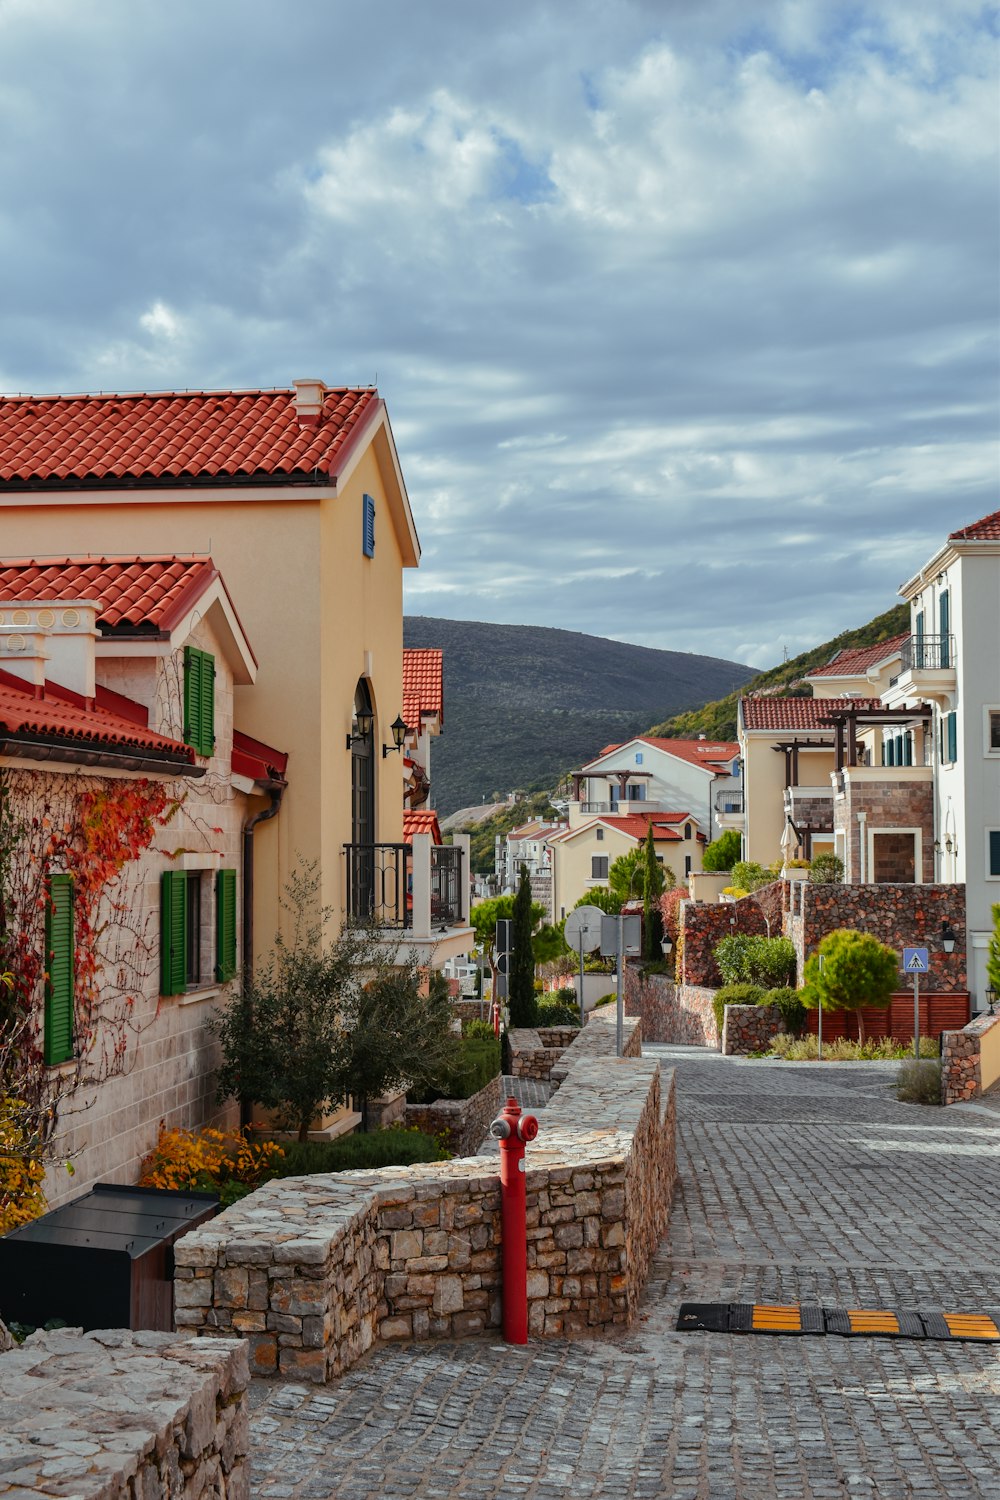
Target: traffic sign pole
(916,962)
(620,1006)
(819,1015)
(916,1013)
(582,1017)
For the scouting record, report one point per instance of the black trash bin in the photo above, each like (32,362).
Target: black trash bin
(103,1261)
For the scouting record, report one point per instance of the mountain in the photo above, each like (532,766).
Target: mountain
(718,720)
(524,704)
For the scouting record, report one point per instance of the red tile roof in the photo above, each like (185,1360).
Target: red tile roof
(797,713)
(635,825)
(985,530)
(195,437)
(154,591)
(258,761)
(855,663)
(713,754)
(420,820)
(61,718)
(423,684)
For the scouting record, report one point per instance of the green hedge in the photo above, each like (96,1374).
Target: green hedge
(477,1060)
(734,994)
(558,1012)
(394,1147)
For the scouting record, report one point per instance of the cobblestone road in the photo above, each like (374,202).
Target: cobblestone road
(798,1183)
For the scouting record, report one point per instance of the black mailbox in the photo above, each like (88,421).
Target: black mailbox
(103,1261)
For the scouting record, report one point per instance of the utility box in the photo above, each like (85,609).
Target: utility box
(105,1260)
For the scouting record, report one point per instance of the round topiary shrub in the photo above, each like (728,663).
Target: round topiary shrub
(793,1012)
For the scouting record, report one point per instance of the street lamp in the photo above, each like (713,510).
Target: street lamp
(948,937)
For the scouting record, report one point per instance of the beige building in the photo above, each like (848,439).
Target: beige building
(300,500)
(582,856)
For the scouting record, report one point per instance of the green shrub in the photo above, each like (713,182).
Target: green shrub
(827,868)
(919,1081)
(723,851)
(477,1060)
(751,958)
(559,1013)
(393,1147)
(481,1029)
(793,1012)
(734,994)
(606,1000)
(750,876)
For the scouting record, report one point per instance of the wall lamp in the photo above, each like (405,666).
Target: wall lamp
(948,938)
(398,736)
(991,998)
(365,720)
(666,945)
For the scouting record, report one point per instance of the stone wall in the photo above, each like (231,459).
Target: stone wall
(462,1124)
(313,1271)
(961,1072)
(750,1028)
(669,1012)
(142,1416)
(535,1050)
(702,927)
(903,798)
(904,916)
(597,1040)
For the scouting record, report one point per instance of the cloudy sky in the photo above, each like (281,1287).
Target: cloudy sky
(685,311)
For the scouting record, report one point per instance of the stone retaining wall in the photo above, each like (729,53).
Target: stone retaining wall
(750,1028)
(668,1012)
(313,1271)
(534,1050)
(462,1124)
(961,1070)
(596,1040)
(143,1416)
(904,916)
(695,1002)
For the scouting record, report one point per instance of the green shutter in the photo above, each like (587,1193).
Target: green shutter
(58,1043)
(173,931)
(199,700)
(953,736)
(225,925)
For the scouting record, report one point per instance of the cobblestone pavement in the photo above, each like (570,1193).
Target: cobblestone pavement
(798,1183)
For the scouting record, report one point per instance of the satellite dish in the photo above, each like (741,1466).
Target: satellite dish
(583,928)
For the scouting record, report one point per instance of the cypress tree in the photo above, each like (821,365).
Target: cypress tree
(521,999)
(652,889)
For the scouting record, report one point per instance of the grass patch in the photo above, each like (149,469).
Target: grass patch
(873,1049)
(919,1081)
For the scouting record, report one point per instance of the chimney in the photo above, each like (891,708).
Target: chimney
(309,401)
(61,634)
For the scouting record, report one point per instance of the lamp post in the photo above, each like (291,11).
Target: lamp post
(991,998)
(821,958)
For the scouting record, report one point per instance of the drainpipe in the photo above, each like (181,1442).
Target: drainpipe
(276,790)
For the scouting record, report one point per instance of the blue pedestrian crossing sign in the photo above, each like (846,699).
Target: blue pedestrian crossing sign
(915,961)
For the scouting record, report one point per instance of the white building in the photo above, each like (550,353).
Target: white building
(651,775)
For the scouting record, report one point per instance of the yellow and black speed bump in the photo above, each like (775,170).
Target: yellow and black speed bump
(851,1322)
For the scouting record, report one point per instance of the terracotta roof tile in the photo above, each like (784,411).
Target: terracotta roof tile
(714,754)
(420,820)
(855,663)
(985,530)
(423,684)
(255,759)
(191,435)
(129,591)
(797,713)
(62,718)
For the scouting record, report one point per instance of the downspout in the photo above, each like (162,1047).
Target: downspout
(276,790)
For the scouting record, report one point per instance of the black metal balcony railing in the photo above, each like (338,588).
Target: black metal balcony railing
(928,653)
(380,884)
(377,883)
(729,802)
(446,885)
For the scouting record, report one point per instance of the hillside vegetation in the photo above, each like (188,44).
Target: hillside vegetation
(717,719)
(524,704)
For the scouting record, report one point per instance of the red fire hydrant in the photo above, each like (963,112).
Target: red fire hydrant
(513,1130)
(496,1018)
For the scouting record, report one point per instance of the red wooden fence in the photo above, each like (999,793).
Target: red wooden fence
(937,1013)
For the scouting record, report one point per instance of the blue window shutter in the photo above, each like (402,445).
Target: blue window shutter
(368,530)
(59,977)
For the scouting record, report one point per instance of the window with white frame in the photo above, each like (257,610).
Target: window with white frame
(991,729)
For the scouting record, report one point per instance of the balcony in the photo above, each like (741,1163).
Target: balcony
(730,809)
(417,893)
(927,666)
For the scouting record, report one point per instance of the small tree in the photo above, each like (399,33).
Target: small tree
(993,952)
(723,852)
(858,971)
(393,1033)
(521,1000)
(624,876)
(603,898)
(826,868)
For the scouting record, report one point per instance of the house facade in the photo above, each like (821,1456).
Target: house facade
(582,855)
(700,777)
(301,497)
(127,789)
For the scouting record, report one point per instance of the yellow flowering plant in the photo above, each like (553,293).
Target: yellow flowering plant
(21,1174)
(209,1161)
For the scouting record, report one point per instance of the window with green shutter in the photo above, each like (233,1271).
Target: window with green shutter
(225,925)
(58,1039)
(173,932)
(199,699)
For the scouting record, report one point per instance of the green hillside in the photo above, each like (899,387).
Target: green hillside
(717,720)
